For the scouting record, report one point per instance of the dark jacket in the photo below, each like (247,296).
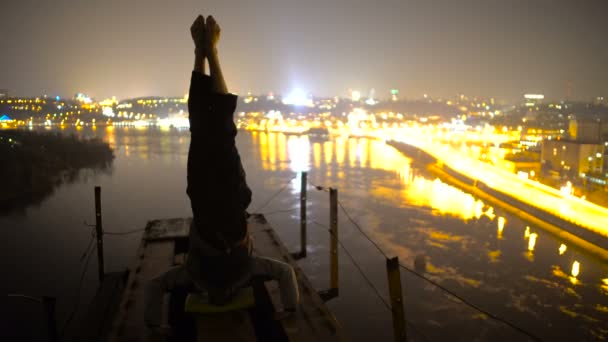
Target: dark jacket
(217,187)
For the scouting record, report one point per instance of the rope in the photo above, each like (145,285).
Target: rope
(369,282)
(279,211)
(77,304)
(318,187)
(361,230)
(124,233)
(497,318)
(485,312)
(275,195)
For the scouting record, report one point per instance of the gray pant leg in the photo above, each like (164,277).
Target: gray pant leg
(156,289)
(284,274)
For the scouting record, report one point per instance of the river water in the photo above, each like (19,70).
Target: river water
(499,264)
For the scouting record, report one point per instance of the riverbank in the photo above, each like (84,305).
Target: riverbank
(587,241)
(34,164)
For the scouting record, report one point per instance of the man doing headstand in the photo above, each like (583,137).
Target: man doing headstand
(219,257)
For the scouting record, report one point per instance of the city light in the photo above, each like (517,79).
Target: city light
(534,96)
(298,97)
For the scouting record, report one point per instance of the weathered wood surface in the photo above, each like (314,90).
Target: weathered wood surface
(162,247)
(312,320)
(152,259)
(168,229)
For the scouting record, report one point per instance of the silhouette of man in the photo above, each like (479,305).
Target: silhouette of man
(219,256)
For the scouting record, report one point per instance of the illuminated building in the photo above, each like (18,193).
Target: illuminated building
(532,100)
(3,93)
(394,95)
(573,157)
(588,130)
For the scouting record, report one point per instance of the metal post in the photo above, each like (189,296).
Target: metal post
(49,310)
(303,215)
(333,226)
(99,232)
(394,286)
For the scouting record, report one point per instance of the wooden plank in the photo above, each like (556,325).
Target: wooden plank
(152,259)
(159,251)
(312,320)
(167,229)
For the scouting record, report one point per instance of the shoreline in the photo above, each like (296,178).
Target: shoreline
(585,240)
(37,163)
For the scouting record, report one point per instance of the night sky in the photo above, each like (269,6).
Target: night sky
(488,48)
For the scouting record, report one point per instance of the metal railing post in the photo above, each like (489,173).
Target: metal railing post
(334,273)
(303,239)
(99,232)
(333,226)
(394,286)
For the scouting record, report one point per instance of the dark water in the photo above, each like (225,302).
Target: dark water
(404,210)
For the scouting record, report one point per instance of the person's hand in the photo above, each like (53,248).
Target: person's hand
(198,32)
(212,34)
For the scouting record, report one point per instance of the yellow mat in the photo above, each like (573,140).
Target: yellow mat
(199,302)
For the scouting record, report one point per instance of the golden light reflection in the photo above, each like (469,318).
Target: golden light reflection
(440,196)
(328,151)
(494,256)
(479,210)
(532,241)
(111,136)
(352,152)
(299,153)
(316,155)
(264,150)
(374,154)
(282,144)
(501,225)
(340,149)
(562,249)
(363,152)
(575,269)
(272,151)
(527,232)
(490,213)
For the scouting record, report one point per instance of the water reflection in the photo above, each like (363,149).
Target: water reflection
(481,252)
(453,246)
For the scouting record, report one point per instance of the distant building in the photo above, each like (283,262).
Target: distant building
(394,95)
(574,158)
(533,100)
(595,131)
(3,93)
(600,100)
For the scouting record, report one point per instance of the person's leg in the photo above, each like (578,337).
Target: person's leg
(284,274)
(156,289)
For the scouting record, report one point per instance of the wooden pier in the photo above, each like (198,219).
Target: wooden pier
(164,245)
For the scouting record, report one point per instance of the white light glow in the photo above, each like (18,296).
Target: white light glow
(298,98)
(534,96)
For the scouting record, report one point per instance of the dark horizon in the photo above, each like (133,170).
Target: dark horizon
(477,48)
